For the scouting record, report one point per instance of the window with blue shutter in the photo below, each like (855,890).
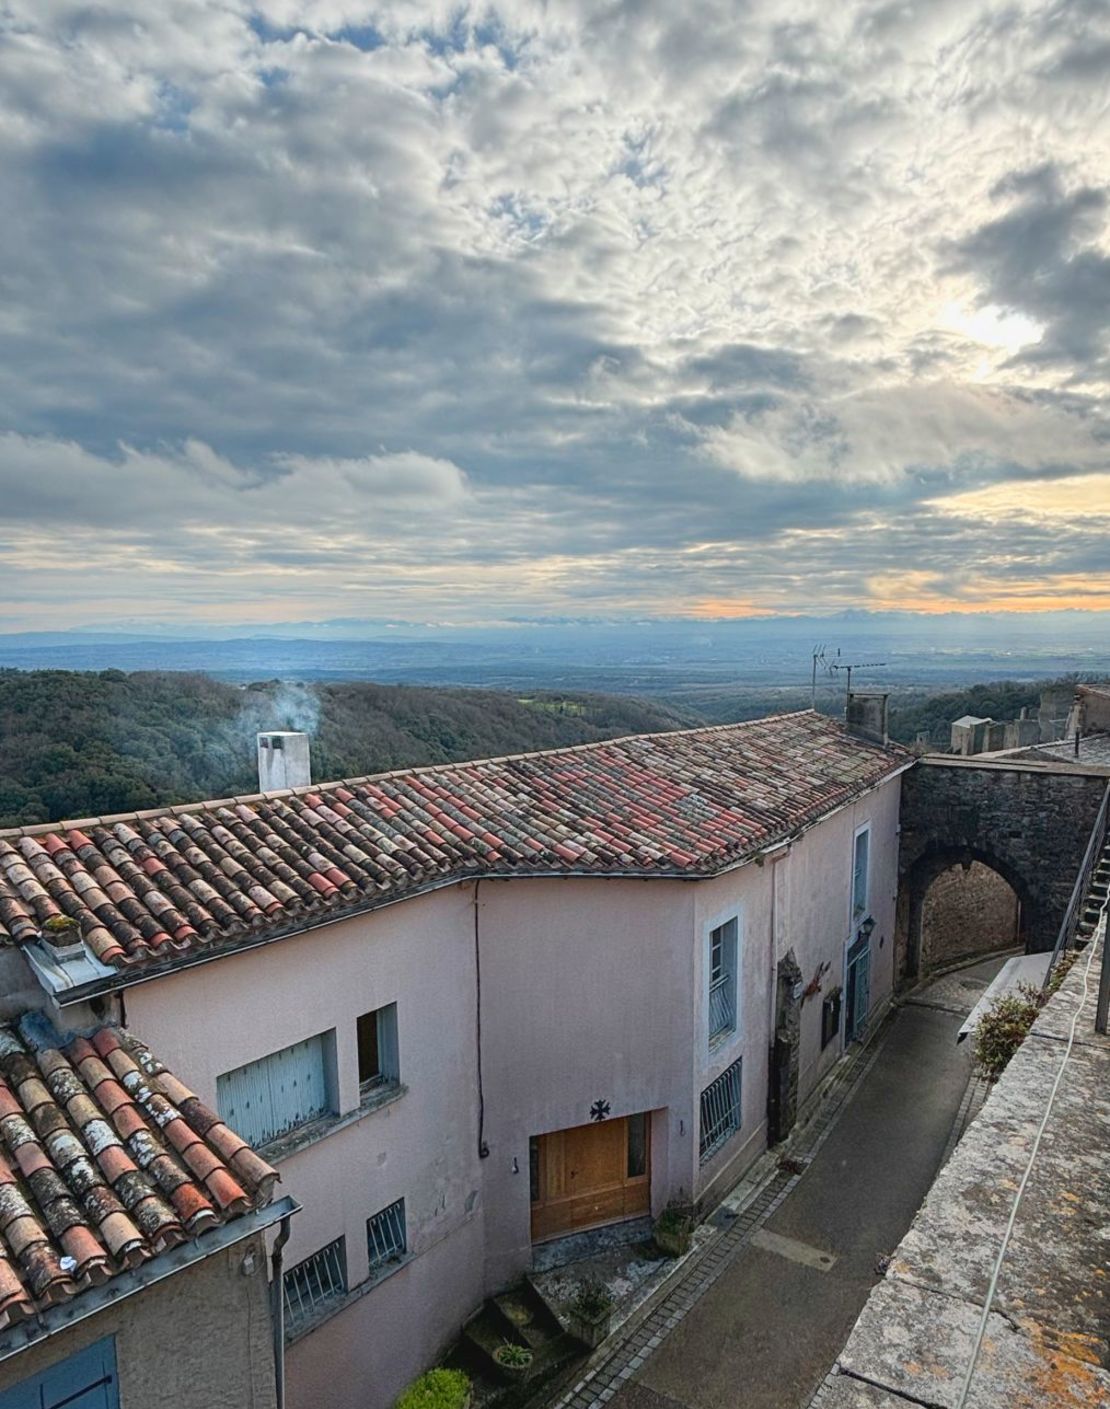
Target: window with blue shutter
(276,1094)
(86,1380)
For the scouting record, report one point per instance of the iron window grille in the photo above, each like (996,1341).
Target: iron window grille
(722,980)
(720,1111)
(386,1236)
(313,1284)
(722,1018)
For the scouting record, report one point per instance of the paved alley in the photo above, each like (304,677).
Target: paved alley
(765,1328)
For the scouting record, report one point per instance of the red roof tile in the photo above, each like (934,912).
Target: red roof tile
(89,1186)
(154,887)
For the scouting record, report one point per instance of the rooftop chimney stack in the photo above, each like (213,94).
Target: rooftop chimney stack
(283,761)
(867,715)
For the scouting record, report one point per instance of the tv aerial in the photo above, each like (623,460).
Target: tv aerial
(831,664)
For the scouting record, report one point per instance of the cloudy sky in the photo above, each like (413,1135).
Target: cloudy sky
(321,308)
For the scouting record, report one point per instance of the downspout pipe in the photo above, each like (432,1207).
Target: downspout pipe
(277,1293)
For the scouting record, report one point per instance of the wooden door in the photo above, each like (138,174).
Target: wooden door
(590,1175)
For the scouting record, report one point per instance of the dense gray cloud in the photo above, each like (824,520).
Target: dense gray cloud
(314,307)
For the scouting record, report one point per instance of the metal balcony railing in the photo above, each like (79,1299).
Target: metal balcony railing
(722,1009)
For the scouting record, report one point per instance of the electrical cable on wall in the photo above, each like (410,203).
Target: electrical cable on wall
(993,1287)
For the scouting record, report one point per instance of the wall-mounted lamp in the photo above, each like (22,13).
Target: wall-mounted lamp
(866,927)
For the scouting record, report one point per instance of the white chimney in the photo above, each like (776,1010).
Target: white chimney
(283,761)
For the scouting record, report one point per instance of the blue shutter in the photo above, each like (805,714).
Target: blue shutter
(277,1093)
(86,1380)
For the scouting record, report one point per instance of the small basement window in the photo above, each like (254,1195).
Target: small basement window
(387,1236)
(378,1062)
(314,1284)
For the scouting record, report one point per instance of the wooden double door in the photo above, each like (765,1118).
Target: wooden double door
(590,1175)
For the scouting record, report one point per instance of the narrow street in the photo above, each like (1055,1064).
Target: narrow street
(765,1333)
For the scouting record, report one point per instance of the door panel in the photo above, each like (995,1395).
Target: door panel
(583,1179)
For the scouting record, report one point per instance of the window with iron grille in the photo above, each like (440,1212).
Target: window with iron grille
(720,1111)
(722,980)
(378,1062)
(386,1236)
(313,1284)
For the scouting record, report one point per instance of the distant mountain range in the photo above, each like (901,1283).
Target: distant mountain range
(641,657)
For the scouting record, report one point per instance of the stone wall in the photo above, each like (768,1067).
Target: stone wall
(1028,822)
(967,911)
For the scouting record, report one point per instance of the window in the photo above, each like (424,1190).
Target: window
(385,1236)
(860,876)
(275,1094)
(637,1145)
(314,1284)
(830,1017)
(86,1380)
(722,981)
(720,1111)
(377,1048)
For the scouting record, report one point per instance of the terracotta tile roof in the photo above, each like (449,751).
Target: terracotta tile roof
(161,886)
(106,1160)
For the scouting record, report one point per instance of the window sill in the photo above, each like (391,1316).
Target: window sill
(316,1130)
(333,1308)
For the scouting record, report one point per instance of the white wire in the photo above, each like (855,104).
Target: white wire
(993,1287)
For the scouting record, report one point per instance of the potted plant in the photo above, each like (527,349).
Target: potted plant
(513,1360)
(437,1389)
(591,1313)
(673,1230)
(63,937)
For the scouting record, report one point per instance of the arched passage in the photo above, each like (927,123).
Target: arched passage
(956,903)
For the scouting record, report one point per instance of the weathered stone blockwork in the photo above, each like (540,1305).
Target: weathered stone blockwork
(1027,822)
(968,910)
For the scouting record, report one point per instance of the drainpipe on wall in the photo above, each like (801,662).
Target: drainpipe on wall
(278,1294)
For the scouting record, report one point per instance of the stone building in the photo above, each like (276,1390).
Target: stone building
(132,1222)
(467,1010)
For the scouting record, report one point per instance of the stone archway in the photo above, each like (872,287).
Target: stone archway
(1027,821)
(917,950)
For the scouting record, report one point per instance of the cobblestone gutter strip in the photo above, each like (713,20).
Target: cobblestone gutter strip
(972,1103)
(747,1208)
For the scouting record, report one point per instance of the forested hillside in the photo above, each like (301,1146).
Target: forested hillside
(78,744)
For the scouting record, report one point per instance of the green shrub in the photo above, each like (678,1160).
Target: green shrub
(437,1389)
(1006,1023)
(592,1300)
(675,1218)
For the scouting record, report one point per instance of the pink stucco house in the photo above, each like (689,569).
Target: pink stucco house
(473,1008)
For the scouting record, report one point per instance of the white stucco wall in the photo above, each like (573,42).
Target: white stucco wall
(590,989)
(587,995)
(423,1146)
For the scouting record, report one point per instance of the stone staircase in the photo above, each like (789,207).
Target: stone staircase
(520,1315)
(1097,893)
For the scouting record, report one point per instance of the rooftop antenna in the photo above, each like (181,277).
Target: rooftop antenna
(818,660)
(853,665)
